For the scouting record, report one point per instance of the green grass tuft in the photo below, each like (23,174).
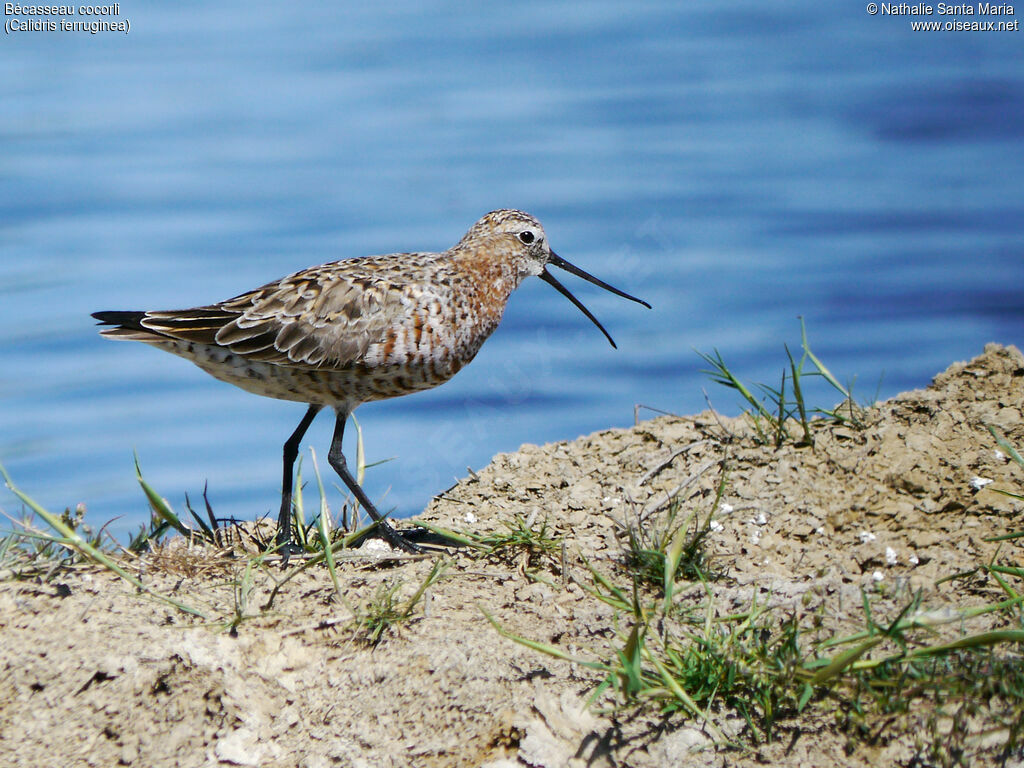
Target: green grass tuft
(781,410)
(523,542)
(959,691)
(385,611)
(70,538)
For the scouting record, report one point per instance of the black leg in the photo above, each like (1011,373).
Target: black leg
(337,460)
(291,450)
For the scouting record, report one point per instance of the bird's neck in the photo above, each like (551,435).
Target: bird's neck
(492,281)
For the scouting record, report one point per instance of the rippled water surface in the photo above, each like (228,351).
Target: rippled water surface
(736,164)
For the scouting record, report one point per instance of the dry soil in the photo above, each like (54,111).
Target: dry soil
(94,673)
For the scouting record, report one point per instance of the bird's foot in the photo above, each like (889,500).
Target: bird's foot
(286,548)
(386,531)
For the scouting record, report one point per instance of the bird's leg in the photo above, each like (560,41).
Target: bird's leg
(291,450)
(337,460)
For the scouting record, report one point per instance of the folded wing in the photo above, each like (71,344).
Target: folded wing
(316,318)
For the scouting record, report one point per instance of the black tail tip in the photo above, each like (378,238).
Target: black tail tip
(129,319)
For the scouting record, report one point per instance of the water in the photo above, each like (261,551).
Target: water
(736,165)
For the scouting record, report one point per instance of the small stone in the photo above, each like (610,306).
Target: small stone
(239,747)
(977,483)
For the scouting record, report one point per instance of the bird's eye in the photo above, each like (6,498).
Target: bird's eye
(526,237)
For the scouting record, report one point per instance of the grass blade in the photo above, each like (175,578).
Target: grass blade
(322,526)
(544,648)
(822,369)
(839,664)
(458,538)
(1005,444)
(160,506)
(360,452)
(72,539)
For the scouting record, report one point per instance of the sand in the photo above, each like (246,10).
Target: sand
(94,673)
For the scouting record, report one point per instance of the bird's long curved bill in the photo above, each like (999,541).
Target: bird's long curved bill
(561,263)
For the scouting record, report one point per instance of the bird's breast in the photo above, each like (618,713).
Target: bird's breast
(443,325)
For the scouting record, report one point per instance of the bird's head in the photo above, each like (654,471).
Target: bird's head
(521,241)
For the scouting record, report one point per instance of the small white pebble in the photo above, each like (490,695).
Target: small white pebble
(1000,456)
(470,518)
(376,545)
(761,519)
(877,576)
(726,509)
(866,537)
(890,556)
(977,483)
(716,526)
(820,530)
(755,538)
(913,560)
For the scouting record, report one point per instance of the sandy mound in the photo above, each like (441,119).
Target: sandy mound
(92,673)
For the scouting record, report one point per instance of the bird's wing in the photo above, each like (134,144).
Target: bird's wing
(315,318)
(320,317)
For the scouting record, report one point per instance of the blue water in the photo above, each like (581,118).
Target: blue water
(736,164)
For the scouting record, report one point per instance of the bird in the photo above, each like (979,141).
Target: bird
(359,330)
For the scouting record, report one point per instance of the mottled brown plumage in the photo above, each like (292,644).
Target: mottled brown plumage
(358,330)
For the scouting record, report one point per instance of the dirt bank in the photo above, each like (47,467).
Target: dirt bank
(93,673)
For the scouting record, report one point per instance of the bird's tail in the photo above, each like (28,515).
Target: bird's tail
(127,325)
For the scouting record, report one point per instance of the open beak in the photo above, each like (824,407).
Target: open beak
(561,263)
